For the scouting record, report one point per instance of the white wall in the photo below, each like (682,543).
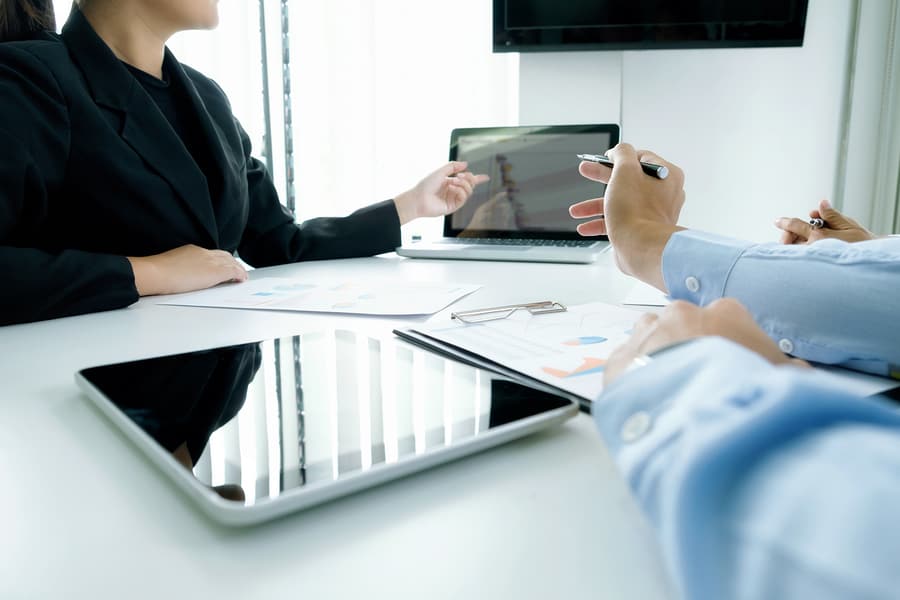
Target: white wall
(756,130)
(584,87)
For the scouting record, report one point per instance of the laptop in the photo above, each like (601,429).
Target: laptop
(522,213)
(255,431)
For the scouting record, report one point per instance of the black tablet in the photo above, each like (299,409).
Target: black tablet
(254,431)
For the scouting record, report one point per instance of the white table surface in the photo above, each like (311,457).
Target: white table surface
(84,515)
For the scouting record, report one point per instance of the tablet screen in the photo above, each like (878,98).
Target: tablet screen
(256,421)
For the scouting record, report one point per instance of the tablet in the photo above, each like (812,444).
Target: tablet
(255,431)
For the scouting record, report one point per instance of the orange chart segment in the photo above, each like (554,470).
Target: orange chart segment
(588,366)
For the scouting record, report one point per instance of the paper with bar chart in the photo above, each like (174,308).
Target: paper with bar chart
(567,350)
(388,298)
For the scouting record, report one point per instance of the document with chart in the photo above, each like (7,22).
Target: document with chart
(566,350)
(385,297)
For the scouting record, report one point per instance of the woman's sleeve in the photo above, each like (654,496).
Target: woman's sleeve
(34,144)
(273,237)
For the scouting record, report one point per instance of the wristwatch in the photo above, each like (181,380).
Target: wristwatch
(642,360)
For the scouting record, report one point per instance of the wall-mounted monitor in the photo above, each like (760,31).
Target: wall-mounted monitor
(567,25)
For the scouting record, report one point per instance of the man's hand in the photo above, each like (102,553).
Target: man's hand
(639,212)
(682,321)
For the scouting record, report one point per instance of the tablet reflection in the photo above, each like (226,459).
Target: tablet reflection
(181,400)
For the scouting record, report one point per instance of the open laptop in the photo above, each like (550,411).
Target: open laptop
(255,431)
(522,213)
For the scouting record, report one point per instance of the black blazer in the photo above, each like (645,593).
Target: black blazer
(92,172)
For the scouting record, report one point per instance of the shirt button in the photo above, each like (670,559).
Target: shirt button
(692,284)
(635,426)
(786,345)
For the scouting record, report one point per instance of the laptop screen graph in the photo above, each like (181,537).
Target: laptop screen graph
(534,179)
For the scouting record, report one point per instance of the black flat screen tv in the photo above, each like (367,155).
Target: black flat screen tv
(566,25)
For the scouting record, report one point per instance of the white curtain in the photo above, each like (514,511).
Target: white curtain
(870,180)
(376,88)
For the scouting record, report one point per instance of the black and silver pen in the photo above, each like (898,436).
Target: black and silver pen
(658,171)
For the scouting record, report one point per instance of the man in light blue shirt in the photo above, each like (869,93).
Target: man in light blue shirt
(830,302)
(762,479)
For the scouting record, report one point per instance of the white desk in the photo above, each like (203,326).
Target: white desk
(85,516)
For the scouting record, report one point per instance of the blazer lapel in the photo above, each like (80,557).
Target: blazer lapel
(145,129)
(149,134)
(214,138)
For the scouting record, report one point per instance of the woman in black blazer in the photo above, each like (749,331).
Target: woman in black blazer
(124,173)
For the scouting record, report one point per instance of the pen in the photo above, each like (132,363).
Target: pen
(817,223)
(658,171)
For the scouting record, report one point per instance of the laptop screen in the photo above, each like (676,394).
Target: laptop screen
(534,179)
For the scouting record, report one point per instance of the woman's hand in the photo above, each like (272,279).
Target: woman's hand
(184,269)
(440,193)
(837,226)
(682,321)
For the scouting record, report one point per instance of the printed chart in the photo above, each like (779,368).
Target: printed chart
(567,350)
(352,297)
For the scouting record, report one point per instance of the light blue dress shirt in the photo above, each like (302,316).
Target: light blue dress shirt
(829,302)
(762,482)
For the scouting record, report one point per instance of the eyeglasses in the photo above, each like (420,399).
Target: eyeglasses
(501,312)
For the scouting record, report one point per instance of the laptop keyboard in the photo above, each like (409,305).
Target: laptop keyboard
(519,242)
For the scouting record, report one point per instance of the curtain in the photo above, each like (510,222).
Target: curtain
(869,164)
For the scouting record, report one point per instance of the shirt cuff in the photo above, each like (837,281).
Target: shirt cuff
(696,265)
(646,407)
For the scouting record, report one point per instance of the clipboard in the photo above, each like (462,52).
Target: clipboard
(544,344)
(474,360)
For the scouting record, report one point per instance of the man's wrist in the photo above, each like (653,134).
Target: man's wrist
(639,251)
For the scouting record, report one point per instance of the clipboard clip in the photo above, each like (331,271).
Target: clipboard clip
(480,315)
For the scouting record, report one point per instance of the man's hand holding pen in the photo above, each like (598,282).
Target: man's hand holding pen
(639,213)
